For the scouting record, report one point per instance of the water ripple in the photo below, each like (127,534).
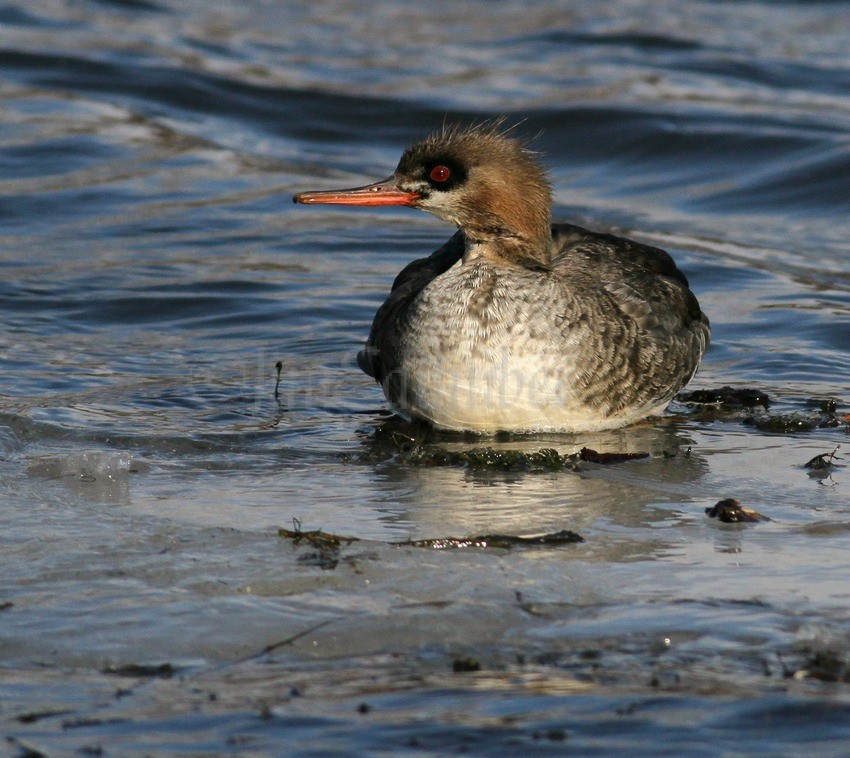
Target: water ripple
(155,272)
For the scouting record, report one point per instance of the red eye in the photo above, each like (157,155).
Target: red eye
(440,173)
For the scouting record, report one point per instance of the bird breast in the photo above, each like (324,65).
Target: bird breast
(494,347)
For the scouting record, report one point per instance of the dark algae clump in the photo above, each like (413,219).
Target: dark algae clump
(465,665)
(160,670)
(330,544)
(564,537)
(490,459)
(416,444)
(591,456)
(787,423)
(727,398)
(752,407)
(487,459)
(730,511)
(824,665)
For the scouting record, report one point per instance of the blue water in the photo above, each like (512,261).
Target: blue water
(154,270)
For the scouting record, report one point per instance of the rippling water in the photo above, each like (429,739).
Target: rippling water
(154,271)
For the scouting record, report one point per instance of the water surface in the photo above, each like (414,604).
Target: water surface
(154,271)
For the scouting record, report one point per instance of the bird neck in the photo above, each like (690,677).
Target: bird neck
(508,249)
(511,220)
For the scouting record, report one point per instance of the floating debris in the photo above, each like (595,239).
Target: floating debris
(30,717)
(327,545)
(591,456)
(785,423)
(824,461)
(750,406)
(294,691)
(162,670)
(316,537)
(726,397)
(822,466)
(553,735)
(463,665)
(824,665)
(830,405)
(488,459)
(504,541)
(330,544)
(730,511)
(278,367)
(416,444)
(86,723)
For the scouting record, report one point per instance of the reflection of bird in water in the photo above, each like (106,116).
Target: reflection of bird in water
(516,324)
(435,500)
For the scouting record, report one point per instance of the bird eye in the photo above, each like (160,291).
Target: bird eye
(440,173)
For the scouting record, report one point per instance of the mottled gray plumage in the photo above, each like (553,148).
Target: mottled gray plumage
(517,324)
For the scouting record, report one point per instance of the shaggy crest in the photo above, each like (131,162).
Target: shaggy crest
(506,192)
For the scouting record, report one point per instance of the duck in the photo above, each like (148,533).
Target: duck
(518,324)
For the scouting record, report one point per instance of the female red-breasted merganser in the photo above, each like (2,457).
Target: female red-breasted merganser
(516,324)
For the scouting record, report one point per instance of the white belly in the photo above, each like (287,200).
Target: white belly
(484,398)
(499,361)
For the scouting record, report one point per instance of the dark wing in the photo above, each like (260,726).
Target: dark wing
(644,280)
(670,333)
(378,357)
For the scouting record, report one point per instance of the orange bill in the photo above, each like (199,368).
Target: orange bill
(379,193)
